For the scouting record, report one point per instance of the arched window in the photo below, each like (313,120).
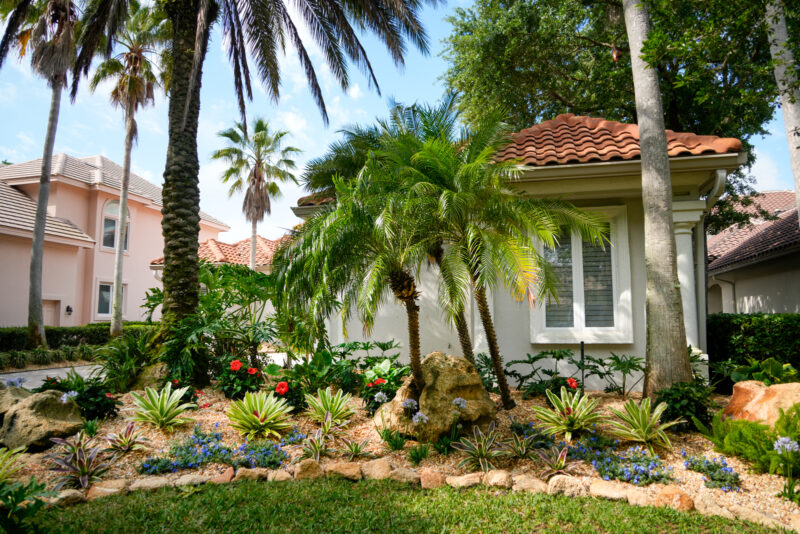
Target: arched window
(110,226)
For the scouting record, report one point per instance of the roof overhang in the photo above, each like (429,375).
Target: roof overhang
(49,238)
(755,260)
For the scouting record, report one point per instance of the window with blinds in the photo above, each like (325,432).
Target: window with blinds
(598,286)
(560,313)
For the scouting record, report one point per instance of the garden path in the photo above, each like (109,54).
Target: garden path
(35,377)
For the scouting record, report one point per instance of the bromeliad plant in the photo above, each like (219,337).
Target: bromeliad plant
(327,403)
(556,462)
(260,415)
(481,450)
(161,409)
(572,413)
(126,441)
(639,424)
(520,446)
(354,449)
(81,464)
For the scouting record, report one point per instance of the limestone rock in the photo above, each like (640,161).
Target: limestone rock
(37,418)
(604,489)
(794,521)
(68,497)
(402,474)
(378,469)
(753,401)
(638,497)
(192,479)
(224,477)
(152,376)
(566,485)
(464,481)
(430,479)
(706,503)
(529,483)
(280,475)
(255,473)
(308,469)
(673,497)
(498,478)
(150,483)
(104,488)
(446,378)
(10,396)
(348,470)
(748,514)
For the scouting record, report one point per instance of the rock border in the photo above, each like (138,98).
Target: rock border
(671,496)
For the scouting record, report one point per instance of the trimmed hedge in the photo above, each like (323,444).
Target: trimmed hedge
(739,336)
(22,358)
(16,338)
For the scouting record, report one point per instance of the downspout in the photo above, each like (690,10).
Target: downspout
(701,255)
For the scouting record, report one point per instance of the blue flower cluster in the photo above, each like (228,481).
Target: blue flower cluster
(634,465)
(203,448)
(717,472)
(15,382)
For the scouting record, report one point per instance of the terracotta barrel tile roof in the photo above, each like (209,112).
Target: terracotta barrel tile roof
(761,238)
(215,251)
(569,139)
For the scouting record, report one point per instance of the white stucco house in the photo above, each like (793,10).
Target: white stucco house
(596,164)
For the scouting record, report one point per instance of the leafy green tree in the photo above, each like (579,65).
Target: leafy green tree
(134,75)
(253,32)
(47,28)
(545,57)
(258,161)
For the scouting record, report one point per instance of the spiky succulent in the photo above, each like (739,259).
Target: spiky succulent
(481,450)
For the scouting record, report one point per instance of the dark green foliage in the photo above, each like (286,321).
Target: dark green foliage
(41,356)
(393,439)
(745,439)
(690,401)
(236,378)
(381,376)
(19,503)
(94,399)
(738,337)
(90,427)
(122,360)
(541,439)
(418,452)
(769,371)
(15,338)
(483,364)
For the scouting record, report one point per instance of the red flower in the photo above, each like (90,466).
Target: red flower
(282,388)
(379,381)
(571,382)
(110,395)
(252,370)
(236,365)
(206,405)
(175,381)
(370,385)
(198,392)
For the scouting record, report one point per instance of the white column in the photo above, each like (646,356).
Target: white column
(685,246)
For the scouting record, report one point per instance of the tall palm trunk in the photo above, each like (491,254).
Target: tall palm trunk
(253,244)
(784,65)
(122,229)
(404,288)
(180,223)
(460,320)
(36,334)
(667,358)
(494,350)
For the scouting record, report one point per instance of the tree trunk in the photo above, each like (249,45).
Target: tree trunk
(36,333)
(180,223)
(784,65)
(413,343)
(253,245)
(494,350)
(122,225)
(463,337)
(667,358)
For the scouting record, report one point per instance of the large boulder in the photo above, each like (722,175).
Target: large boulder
(753,401)
(9,397)
(446,378)
(34,420)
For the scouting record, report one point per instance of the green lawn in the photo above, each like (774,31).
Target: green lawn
(340,506)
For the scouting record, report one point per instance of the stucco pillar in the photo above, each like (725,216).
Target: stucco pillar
(685,248)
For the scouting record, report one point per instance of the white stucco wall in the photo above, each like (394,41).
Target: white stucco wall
(771,286)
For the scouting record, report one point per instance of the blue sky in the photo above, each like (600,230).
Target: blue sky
(91,126)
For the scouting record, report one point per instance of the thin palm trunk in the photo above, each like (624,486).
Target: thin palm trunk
(784,66)
(253,244)
(494,350)
(463,336)
(36,333)
(122,228)
(412,310)
(667,357)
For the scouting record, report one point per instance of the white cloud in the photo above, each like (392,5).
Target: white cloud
(767,173)
(26,140)
(355,92)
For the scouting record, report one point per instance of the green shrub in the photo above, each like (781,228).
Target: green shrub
(20,502)
(236,378)
(718,474)
(91,395)
(418,452)
(393,439)
(122,360)
(640,424)
(259,415)
(689,401)
(745,439)
(769,371)
(161,409)
(16,337)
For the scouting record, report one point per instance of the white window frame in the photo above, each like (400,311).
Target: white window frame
(114,218)
(110,299)
(622,331)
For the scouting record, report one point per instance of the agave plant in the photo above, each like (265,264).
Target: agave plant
(126,441)
(556,462)
(519,446)
(81,464)
(260,415)
(480,450)
(161,409)
(326,402)
(571,413)
(638,423)
(9,466)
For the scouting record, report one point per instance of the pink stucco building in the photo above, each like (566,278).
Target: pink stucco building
(80,237)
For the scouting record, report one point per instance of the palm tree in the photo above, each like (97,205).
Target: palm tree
(257,162)
(252,31)
(667,359)
(47,28)
(135,80)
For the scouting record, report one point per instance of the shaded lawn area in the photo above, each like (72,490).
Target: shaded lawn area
(336,506)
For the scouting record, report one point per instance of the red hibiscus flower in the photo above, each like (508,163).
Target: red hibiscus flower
(198,392)
(282,388)
(236,365)
(175,381)
(370,385)
(251,370)
(379,381)
(110,395)
(206,405)
(571,382)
